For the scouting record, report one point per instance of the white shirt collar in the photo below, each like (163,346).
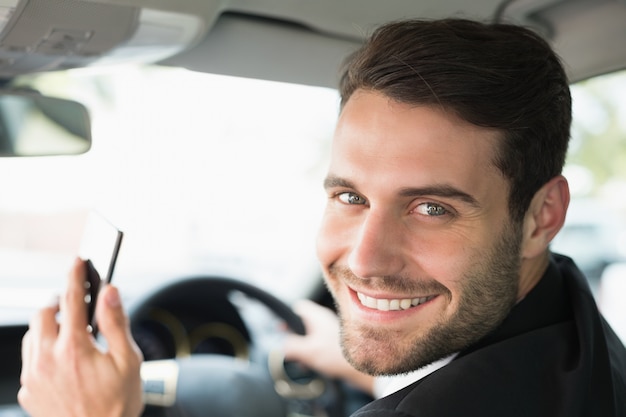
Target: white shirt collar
(385,385)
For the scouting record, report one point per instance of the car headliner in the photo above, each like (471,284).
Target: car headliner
(299,41)
(305,42)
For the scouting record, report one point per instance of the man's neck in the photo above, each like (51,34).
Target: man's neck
(531,272)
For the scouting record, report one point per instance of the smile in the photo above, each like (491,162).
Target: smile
(383,304)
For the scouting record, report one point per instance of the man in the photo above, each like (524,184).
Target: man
(444,192)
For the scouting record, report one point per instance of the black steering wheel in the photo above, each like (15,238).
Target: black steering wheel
(221,385)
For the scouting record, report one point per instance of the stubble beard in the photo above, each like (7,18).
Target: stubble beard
(489,292)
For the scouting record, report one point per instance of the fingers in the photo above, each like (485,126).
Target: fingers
(317,318)
(64,372)
(26,358)
(114,327)
(306,308)
(44,326)
(37,345)
(43,330)
(297,347)
(73,307)
(321,334)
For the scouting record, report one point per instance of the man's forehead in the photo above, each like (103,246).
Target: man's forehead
(405,150)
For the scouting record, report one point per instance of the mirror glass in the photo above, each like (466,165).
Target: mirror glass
(34,125)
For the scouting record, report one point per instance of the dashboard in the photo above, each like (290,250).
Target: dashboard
(208,315)
(191,325)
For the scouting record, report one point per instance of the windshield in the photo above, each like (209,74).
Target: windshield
(209,174)
(205,174)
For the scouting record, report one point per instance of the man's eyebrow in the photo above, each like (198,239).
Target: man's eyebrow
(332,181)
(443,190)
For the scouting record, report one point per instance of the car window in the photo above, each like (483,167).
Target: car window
(205,174)
(595,229)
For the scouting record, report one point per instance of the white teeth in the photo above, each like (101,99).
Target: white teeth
(393,304)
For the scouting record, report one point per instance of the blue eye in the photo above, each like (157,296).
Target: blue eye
(351,198)
(431,209)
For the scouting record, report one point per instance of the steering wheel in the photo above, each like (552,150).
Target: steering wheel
(223,385)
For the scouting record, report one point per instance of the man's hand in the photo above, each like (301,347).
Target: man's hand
(66,374)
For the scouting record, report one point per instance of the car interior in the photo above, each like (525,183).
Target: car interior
(201,128)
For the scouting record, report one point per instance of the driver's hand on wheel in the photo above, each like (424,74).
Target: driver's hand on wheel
(65,373)
(320,348)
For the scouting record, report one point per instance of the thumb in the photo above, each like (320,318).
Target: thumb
(113,323)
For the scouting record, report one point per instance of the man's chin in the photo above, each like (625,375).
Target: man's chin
(375,354)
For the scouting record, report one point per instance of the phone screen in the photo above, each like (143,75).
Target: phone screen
(99,246)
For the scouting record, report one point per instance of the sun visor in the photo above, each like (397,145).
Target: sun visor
(43,35)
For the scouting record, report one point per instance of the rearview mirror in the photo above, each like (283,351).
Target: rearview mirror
(35,125)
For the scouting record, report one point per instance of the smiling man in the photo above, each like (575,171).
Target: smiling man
(444,192)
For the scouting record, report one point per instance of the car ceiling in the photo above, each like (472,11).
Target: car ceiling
(300,41)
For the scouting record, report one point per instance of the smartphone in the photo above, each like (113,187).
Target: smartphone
(99,247)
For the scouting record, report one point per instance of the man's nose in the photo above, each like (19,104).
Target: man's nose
(377,248)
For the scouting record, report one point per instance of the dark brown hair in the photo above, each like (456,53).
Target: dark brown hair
(499,76)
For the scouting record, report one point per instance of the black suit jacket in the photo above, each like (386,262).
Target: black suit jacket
(553,356)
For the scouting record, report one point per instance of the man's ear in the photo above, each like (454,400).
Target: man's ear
(545,216)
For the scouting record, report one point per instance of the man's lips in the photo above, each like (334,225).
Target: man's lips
(392,304)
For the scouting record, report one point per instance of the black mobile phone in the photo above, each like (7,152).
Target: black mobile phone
(99,247)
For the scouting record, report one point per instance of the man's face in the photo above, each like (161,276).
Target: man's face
(416,242)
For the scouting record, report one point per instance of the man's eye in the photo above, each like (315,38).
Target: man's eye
(431,209)
(351,198)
